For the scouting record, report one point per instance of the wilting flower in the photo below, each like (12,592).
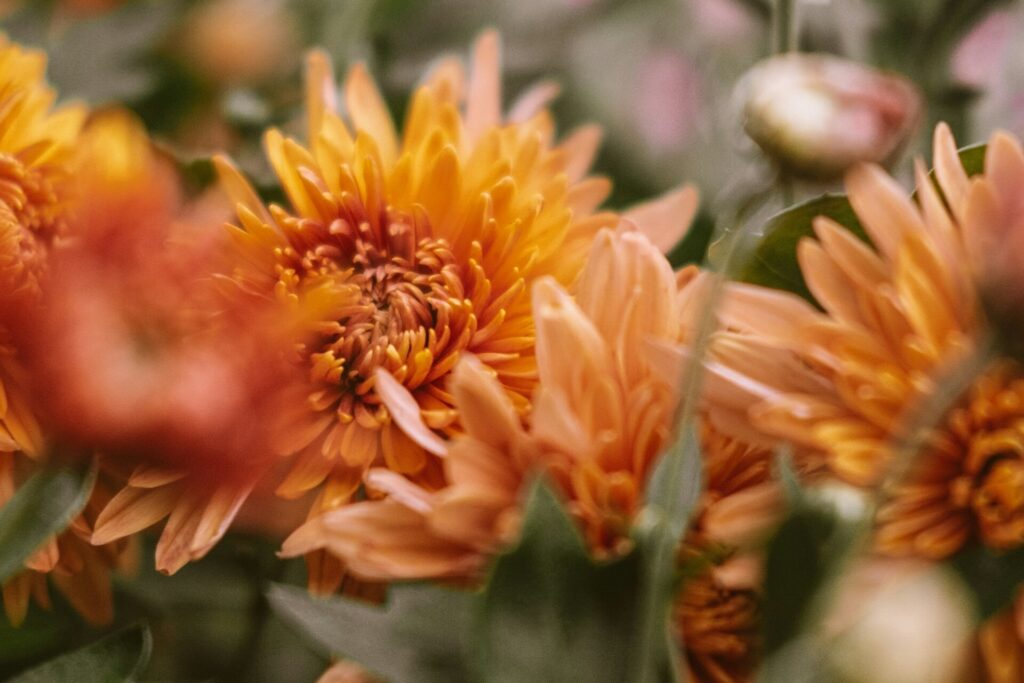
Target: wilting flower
(895,319)
(424,249)
(817,115)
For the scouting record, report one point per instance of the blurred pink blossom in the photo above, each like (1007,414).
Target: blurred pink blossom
(977,60)
(667,99)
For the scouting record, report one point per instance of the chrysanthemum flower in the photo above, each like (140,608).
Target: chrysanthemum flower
(424,248)
(599,417)
(894,320)
(175,386)
(39,156)
(717,611)
(601,414)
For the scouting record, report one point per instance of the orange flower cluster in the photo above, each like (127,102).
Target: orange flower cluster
(439,314)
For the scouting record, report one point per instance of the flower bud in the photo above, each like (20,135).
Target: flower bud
(818,115)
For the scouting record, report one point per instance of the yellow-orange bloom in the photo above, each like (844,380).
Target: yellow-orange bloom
(39,156)
(601,413)
(894,320)
(599,417)
(419,248)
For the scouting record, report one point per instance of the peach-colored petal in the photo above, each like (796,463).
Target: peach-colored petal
(133,509)
(321,92)
(483,99)
(532,101)
(884,209)
(666,220)
(405,411)
(487,412)
(580,149)
(369,112)
(948,169)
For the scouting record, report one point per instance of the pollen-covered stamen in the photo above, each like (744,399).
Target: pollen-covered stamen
(402,304)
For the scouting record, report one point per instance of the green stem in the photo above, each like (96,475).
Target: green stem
(785,26)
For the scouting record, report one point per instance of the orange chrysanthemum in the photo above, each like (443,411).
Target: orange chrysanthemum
(599,418)
(894,320)
(601,413)
(178,387)
(419,249)
(39,156)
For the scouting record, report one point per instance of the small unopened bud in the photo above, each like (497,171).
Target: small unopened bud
(818,115)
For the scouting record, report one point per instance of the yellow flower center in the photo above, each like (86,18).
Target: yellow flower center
(401,304)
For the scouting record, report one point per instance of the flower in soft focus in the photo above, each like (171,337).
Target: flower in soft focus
(35,155)
(239,41)
(894,320)
(601,414)
(39,157)
(717,611)
(818,115)
(423,248)
(599,418)
(171,381)
(902,622)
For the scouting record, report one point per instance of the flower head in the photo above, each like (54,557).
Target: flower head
(39,158)
(895,318)
(175,384)
(817,115)
(599,418)
(420,248)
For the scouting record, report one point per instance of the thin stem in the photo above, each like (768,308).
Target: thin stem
(785,26)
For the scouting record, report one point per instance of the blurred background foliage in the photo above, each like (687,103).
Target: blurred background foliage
(658,75)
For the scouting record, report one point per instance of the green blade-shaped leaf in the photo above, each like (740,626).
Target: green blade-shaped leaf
(973,158)
(119,657)
(550,613)
(419,635)
(41,507)
(774,263)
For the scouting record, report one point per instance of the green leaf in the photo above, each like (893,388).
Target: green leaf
(795,568)
(774,263)
(973,158)
(993,577)
(806,555)
(421,634)
(43,506)
(118,657)
(549,612)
